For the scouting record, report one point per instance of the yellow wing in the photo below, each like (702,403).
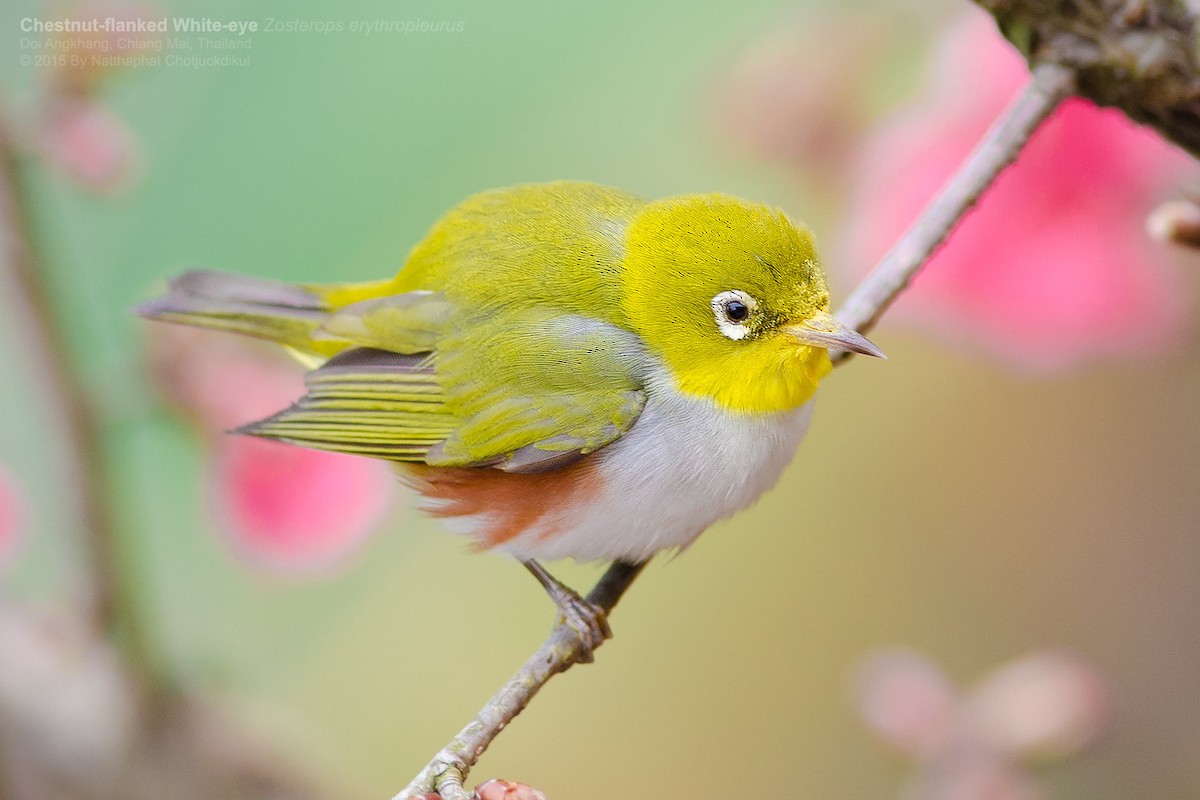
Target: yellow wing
(412,378)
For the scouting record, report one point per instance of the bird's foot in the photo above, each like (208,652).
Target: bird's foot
(588,620)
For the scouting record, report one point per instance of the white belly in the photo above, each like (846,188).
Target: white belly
(684,465)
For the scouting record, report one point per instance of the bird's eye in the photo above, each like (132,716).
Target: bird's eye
(732,310)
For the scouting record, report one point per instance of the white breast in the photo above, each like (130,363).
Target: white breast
(684,465)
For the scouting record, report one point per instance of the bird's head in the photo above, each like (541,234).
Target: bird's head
(731,296)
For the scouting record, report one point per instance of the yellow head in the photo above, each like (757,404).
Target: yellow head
(732,297)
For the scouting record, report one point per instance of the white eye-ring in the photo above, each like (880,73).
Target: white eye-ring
(733,310)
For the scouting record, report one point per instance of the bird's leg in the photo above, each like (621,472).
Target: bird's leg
(587,619)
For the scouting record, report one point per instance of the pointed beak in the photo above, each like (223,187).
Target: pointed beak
(823,330)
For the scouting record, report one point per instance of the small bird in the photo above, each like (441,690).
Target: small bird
(560,369)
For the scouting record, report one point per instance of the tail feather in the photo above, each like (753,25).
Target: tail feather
(258,307)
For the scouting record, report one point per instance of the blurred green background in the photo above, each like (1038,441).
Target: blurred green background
(939,502)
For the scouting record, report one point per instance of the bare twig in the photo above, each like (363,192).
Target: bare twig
(998,148)
(85,472)
(447,771)
(149,740)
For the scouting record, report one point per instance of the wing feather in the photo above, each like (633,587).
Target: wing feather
(539,394)
(369,402)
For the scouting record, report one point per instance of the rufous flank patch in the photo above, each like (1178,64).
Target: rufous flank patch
(507,504)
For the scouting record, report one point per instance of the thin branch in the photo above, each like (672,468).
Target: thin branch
(448,769)
(178,746)
(1049,86)
(85,471)
(446,773)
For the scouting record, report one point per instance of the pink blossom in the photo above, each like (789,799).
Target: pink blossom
(497,789)
(221,381)
(285,508)
(12,517)
(799,93)
(1053,267)
(973,746)
(291,509)
(89,144)
(907,701)
(1046,704)
(74,131)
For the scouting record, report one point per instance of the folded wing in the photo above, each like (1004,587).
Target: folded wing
(523,391)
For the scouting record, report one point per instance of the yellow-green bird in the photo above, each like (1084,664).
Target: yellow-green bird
(560,369)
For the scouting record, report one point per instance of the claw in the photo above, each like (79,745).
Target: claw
(588,620)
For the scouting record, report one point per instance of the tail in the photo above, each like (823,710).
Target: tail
(284,313)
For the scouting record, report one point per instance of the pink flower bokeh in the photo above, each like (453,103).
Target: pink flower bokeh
(72,128)
(89,144)
(908,701)
(496,789)
(1054,266)
(799,94)
(292,509)
(976,745)
(12,517)
(284,508)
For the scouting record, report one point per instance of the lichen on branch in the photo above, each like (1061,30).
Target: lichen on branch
(1141,56)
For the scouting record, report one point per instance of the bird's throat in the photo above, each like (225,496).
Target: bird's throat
(764,383)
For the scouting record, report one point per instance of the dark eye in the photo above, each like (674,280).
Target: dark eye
(737,311)
(733,310)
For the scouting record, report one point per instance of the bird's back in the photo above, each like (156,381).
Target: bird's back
(557,245)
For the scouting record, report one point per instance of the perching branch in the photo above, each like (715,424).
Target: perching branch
(1051,84)
(85,471)
(448,769)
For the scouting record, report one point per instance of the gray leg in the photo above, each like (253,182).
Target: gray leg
(587,619)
